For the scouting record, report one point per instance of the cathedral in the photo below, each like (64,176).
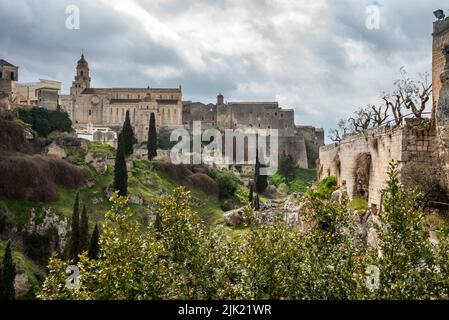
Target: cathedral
(106,107)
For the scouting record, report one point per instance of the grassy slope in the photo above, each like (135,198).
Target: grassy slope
(302,180)
(24,264)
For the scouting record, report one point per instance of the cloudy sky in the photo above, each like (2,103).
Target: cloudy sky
(317,57)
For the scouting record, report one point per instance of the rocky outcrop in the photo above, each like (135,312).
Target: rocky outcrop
(234,217)
(22,284)
(366,222)
(273,210)
(54,150)
(99,164)
(47,220)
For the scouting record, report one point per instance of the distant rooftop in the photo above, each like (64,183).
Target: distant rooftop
(6,63)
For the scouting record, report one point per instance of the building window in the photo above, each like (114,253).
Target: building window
(282,115)
(1,75)
(276,114)
(82,72)
(90,112)
(12,75)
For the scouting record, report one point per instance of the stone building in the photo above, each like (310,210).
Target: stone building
(302,142)
(9,75)
(44,93)
(106,107)
(360,162)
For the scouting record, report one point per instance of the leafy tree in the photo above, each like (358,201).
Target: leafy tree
(74,247)
(45,121)
(407,261)
(7,275)
(152,138)
(128,135)
(287,166)
(84,231)
(260,181)
(120,169)
(94,247)
(227,182)
(163,139)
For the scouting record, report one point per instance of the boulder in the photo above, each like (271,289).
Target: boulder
(339,195)
(89,157)
(99,165)
(54,150)
(234,217)
(271,190)
(134,199)
(22,284)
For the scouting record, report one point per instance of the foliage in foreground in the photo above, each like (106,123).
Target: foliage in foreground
(181,259)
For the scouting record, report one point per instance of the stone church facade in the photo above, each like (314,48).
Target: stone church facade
(106,107)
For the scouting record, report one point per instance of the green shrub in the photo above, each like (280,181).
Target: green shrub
(301,181)
(283,188)
(100,149)
(227,182)
(44,121)
(163,139)
(326,187)
(358,204)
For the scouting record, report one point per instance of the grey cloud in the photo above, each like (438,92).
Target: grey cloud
(320,80)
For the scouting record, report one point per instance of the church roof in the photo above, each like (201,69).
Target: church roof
(82,60)
(6,63)
(136,90)
(167,101)
(125,101)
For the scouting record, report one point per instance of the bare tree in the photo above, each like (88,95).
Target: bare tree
(394,102)
(362,119)
(379,114)
(414,93)
(337,135)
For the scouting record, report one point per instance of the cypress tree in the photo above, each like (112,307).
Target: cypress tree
(152,138)
(250,198)
(128,135)
(94,246)
(84,231)
(75,235)
(158,222)
(260,181)
(7,275)
(256,203)
(120,170)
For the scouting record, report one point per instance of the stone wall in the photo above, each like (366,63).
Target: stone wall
(440,38)
(407,145)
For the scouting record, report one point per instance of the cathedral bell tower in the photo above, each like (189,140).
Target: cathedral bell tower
(82,78)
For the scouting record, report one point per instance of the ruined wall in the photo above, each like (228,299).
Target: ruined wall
(197,111)
(410,144)
(296,146)
(440,38)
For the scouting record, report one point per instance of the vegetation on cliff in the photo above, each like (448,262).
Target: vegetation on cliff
(184,259)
